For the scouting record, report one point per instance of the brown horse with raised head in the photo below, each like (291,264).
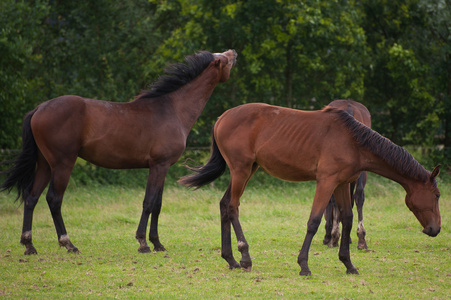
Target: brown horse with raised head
(149,132)
(332,213)
(328,146)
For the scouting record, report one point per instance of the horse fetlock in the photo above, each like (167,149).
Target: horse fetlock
(233,264)
(243,246)
(143,247)
(155,240)
(228,257)
(25,238)
(362,245)
(64,241)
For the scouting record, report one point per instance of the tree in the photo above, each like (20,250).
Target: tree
(438,14)
(294,54)
(20,25)
(97,49)
(399,85)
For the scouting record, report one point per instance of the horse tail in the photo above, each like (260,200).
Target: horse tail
(21,174)
(209,172)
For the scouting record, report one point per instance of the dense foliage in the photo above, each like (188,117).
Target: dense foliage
(393,56)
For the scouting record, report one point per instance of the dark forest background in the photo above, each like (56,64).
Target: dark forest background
(393,56)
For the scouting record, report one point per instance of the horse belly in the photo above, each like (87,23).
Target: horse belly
(287,167)
(111,159)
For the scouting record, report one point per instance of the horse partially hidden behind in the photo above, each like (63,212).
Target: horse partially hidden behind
(328,146)
(149,132)
(332,213)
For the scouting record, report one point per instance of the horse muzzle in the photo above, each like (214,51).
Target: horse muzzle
(234,56)
(431,231)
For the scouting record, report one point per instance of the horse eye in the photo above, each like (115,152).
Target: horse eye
(437,196)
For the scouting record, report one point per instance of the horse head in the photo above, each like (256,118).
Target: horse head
(225,61)
(422,200)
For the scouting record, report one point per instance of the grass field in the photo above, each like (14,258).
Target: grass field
(401,261)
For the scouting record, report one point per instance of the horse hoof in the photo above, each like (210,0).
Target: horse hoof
(30,251)
(73,250)
(352,271)
(362,246)
(234,265)
(332,244)
(159,248)
(305,273)
(246,265)
(145,249)
(248,269)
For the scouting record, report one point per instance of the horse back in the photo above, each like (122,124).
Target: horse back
(355,109)
(289,144)
(109,134)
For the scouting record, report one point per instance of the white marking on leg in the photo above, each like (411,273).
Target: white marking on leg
(241,245)
(64,239)
(360,228)
(27,235)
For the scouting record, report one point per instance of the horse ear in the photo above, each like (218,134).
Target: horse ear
(435,172)
(217,62)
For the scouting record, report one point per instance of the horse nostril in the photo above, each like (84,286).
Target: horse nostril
(431,232)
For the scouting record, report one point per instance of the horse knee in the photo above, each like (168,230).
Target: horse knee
(30,202)
(313,224)
(243,246)
(53,202)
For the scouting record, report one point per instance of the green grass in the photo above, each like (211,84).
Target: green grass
(101,220)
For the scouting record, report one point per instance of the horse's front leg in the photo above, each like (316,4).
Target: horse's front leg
(343,199)
(320,201)
(152,205)
(226,239)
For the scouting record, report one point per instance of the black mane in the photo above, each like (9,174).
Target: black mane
(394,155)
(178,74)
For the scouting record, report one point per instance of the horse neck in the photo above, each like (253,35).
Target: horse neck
(189,101)
(378,165)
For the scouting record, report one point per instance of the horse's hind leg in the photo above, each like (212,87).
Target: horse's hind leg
(58,183)
(226,239)
(31,198)
(359,200)
(335,233)
(332,216)
(239,177)
(328,219)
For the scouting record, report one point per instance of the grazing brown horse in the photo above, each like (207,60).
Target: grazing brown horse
(332,214)
(328,146)
(149,132)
